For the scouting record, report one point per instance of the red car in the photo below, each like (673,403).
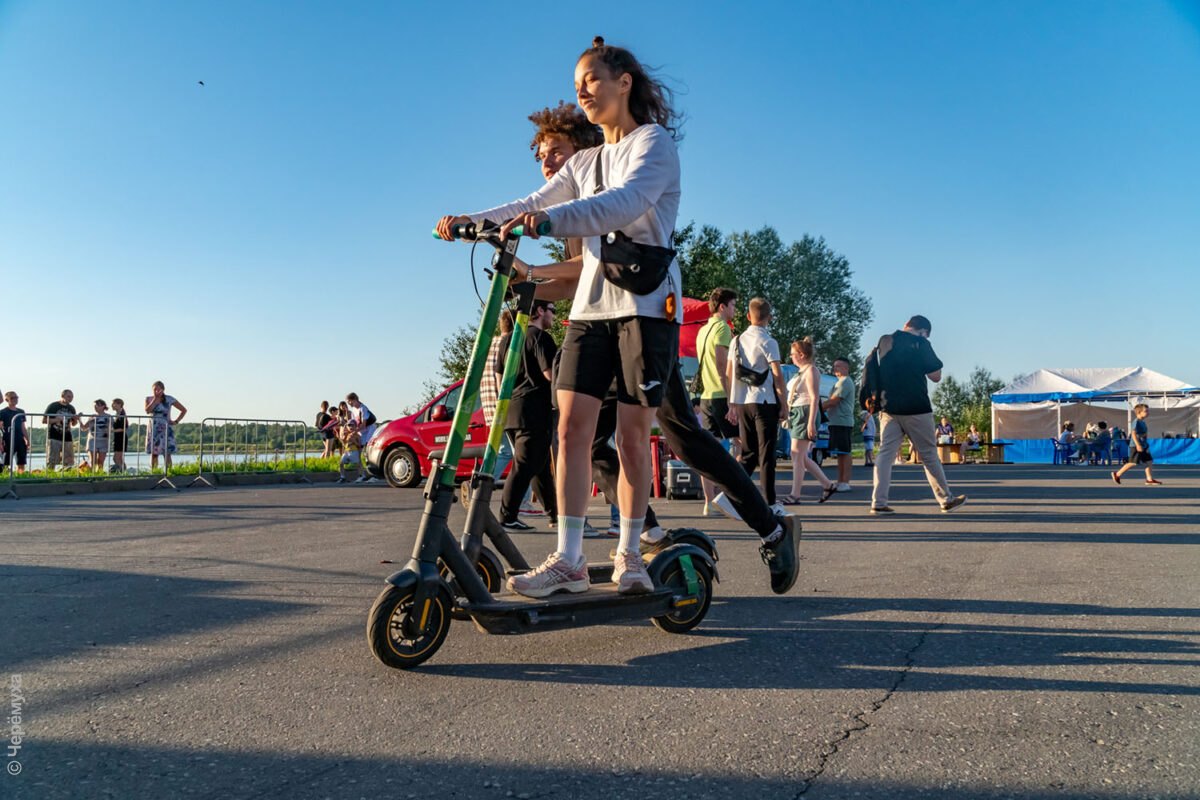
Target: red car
(402,450)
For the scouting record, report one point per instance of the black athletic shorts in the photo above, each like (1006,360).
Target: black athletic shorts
(712,413)
(1140,456)
(639,352)
(839,440)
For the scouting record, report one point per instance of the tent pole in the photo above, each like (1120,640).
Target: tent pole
(1058,413)
(993,436)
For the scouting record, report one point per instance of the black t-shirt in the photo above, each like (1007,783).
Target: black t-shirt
(902,374)
(56,430)
(530,405)
(7,426)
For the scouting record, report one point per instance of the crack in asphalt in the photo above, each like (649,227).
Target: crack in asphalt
(861,723)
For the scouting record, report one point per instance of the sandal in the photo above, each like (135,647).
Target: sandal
(830,491)
(790,499)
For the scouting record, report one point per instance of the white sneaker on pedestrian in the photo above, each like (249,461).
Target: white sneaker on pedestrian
(779,510)
(629,574)
(530,510)
(614,529)
(725,507)
(843,487)
(589,532)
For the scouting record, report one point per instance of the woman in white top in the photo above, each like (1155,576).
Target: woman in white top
(629,184)
(803,399)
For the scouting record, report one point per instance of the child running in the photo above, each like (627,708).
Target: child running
(1139,453)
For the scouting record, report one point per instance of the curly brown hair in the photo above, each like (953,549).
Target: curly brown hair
(568,121)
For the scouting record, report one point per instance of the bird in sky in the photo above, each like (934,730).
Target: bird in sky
(200,82)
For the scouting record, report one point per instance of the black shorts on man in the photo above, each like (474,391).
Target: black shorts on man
(839,440)
(712,414)
(639,351)
(1141,457)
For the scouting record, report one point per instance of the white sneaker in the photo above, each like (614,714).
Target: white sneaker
(614,530)
(843,487)
(591,533)
(629,574)
(710,510)
(553,575)
(725,507)
(778,510)
(530,510)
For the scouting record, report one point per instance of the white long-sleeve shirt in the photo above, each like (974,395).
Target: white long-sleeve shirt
(641,199)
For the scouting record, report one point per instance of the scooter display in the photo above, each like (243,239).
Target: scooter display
(411,617)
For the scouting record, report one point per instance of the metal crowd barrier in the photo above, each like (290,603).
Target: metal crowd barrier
(47,453)
(235,445)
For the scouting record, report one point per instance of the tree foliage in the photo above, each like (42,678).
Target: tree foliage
(808,284)
(969,403)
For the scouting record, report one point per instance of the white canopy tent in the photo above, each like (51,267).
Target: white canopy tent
(1036,405)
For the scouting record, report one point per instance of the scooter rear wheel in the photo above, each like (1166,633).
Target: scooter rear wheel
(489,569)
(688,615)
(392,619)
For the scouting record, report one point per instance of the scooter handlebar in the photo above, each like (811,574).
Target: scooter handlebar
(469,231)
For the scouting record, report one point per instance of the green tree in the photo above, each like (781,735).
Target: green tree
(705,261)
(970,403)
(810,290)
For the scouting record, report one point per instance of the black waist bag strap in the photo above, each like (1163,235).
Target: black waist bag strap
(637,268)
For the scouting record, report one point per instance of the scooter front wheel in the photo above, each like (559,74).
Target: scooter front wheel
(395,630)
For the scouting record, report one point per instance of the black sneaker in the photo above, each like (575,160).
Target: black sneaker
(883,510)
(780,555)
(954,503)
(516,525)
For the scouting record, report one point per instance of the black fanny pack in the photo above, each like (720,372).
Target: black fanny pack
(748,376)
(634,267)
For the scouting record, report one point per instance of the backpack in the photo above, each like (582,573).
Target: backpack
(869,388)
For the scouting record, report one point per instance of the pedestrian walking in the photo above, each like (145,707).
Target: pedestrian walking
(757,385)
(895,384)
(1139,447)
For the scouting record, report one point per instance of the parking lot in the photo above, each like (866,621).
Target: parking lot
(1042,641)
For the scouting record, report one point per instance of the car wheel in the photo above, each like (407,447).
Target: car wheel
(401,468)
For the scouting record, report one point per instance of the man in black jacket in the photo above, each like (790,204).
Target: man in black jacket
(906,360)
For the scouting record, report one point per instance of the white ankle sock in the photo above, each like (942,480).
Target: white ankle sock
(570,537)
(631,529)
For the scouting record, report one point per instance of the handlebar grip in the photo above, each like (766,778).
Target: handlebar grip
(543,229)
(463,230)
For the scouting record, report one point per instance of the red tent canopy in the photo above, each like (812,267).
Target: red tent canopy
(695,314)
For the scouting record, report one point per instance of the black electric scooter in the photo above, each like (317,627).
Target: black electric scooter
(411,617)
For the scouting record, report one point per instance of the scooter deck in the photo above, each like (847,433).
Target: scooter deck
(600,605)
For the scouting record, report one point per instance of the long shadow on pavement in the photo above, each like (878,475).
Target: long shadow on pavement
(819,643)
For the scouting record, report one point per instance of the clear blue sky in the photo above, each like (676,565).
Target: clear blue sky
(1027,174)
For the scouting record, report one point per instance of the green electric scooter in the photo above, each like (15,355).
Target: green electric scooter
(411,617)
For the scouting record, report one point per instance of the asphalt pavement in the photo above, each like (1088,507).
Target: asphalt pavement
(1042,641)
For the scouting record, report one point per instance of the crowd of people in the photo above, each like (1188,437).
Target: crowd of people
(108,431)
(345,429)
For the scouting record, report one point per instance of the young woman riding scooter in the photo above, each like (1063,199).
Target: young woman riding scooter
(630,186)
